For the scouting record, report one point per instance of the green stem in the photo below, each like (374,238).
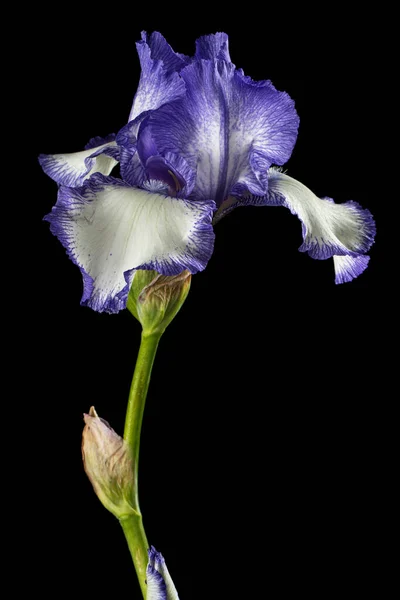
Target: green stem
(137,542)
(133,525)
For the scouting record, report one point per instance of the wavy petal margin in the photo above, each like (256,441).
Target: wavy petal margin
(99,156)
(342,231)
(110,229)
(229,128)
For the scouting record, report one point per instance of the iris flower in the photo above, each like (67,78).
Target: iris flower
(201,139)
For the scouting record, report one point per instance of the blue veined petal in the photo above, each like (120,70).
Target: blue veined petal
(159,80)
(110,229)
(159,84)
(214,46)
(159,583)
(99,156)
(229,129)
(171,169)
(161,50)
(147,164)
(342,231)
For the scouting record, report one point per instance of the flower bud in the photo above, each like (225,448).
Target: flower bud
(155,299)
(159,582)
(107,460)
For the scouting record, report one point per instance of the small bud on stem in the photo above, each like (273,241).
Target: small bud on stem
(108,463)
(155,299)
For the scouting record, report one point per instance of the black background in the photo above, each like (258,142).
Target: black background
(264,458)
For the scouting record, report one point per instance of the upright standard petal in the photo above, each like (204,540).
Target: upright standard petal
(342,231)
(110,229)
(159,84)
(159,583)
(161,50)
(159,80)
(229,128)
(214,46)
(99,156)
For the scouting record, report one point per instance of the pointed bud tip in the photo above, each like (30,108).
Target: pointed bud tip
(92,414)
(107,460)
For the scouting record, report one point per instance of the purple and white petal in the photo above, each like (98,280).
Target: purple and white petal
(156,588)
(100,156)
(131,167)
(171,169)
(344,231)
(158,578)
(174,171)
(159,80)
(244,128)
(110,229)
(213,47)
(159,83)
(348,268)
(97,141)
(148,165)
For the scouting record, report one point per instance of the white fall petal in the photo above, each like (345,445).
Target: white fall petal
(343,231)
(74,168)
(110,229)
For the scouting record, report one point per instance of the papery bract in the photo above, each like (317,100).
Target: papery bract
(108,463)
